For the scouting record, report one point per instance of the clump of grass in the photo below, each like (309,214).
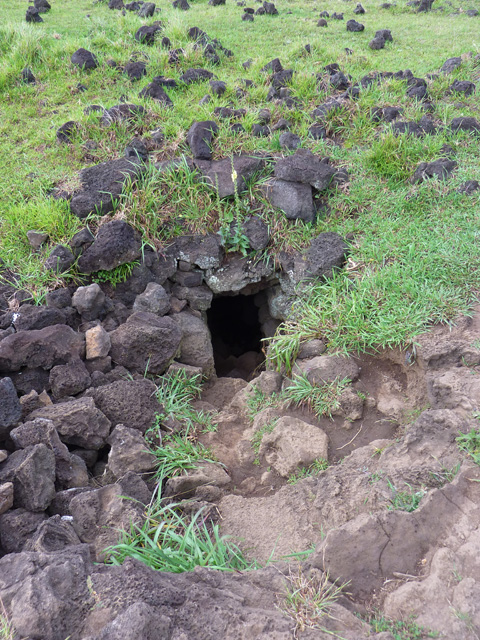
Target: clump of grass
(404,500)
(322,400)
(117,275)
(401,630)
(170,541)
(256,441)
(307,472)
(469,443)
(308,600)
(7,631)
(178,454)
(258,401)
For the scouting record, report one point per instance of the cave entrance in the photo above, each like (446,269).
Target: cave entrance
(236,331)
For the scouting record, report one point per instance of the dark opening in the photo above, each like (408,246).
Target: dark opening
(236,336)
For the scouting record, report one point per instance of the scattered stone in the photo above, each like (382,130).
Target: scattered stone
(462,86)
(135,70)
(247,17)
(270,8)
(154,300)
(386,34)
(200,137)
(451,64)
(386,114)
(337,16)
(84,59)
(440,169)
(33,15)
(147,34)
(322,23)
(289,141)
(36,238)
(317,131)
(359,9)
(377,43)
(27,76)
(469,187)
(17,527)
(146,10)
(156,91)
(465,124)
(67,131)
(123,112)
(60,259)
(304,167)
(196,75)
(354,26)
(218,87)
(42,6)
(102,184)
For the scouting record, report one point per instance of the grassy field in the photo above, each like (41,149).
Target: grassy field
(415,253)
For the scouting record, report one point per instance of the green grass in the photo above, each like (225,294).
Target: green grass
(401,630)
(170,541)
(323,400)
(307,472)
(469,443)
(407,500)
(414,259)
(257,438)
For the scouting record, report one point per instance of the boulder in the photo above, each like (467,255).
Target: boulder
(33,15)
(102,185)
(116,243)
(42,6)
(146,10)
(451,64)
(42,431)
(30,317)
(67,132)
(17,527)
(78,422)
(129,452)
(293,444)
(47,594)
(238,273)
(196,344)
(132,403)
(32,473)
(196,75)
(145,343)
(43,348)
(354,26)
(89,301)
(60,259)
(204,475)
(100,515)
(69,379)
(54,534)
(154,300)
(204,252)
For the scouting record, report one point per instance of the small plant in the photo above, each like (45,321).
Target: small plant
(257,401)
(469,443)
(404,500)
(256,441)
(7,632)
(306,472)
(322,400)
(308,600)
(170,541)
(117,275)
(179,454)
(401,630)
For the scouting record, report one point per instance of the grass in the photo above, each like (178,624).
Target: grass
(401,630)
(307,472)
(406,500)
(308,600)
(469,443)
(323,400)
(170,541)
(257,438)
